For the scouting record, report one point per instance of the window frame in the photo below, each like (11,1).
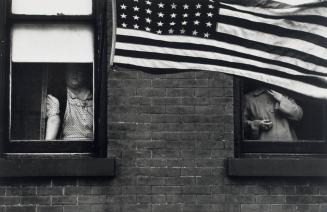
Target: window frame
(97,147)
(244,147)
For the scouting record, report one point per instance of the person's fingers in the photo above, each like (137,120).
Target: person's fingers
(272,92)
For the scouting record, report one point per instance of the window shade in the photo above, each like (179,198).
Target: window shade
(52,43)
(52,7)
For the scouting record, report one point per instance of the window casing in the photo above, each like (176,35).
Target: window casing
(14,18)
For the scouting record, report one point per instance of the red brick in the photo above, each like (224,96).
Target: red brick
(20,209)
(50,190)
(166,190)
(166,207)
(49,209)
(136,208)
(35,200)
(254,208)
(79,208)
(64,200)
(92,199)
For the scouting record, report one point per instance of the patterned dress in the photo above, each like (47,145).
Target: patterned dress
(78,118)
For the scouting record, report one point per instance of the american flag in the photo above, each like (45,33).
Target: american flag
(274,43)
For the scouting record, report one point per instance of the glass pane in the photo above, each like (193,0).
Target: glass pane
(52,7)
(52,101)
(52,43)
(274,114)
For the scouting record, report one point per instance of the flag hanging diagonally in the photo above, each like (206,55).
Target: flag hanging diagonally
(284,46)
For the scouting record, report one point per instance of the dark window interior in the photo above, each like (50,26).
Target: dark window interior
(31,82)
(311,127)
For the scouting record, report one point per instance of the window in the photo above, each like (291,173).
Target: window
(53,64)
(299,130)
(302,155)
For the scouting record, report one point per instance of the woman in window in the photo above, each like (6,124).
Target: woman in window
(72,118)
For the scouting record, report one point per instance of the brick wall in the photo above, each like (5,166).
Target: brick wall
(170,135)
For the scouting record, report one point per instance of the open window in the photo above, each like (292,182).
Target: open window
(48,46)
(301,155)
(300,131)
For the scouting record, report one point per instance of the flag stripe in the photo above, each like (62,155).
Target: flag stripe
(314,15)
(271,39)
(226,43)
(275,34)
(241,66)
(204,54)
(304,88)
(149,45)
(290,25)
(284,47)
(302,58)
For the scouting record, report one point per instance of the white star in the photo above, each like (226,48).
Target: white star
(147,29)
(136,17)
(184,23)
(198,6)
(206,35)
(210,14)
(173,6)
(172,23)
(210,6)
(136,0)
(148,2)
(148,20)
(182,31)
(194,32)
(197,14)
(185,6)
(173,15)
(161,15)
(123,16)
(171,31)
(185,15)
(209,24)
(159,32)
(123,7)
(160,23)
(148,11)
(211,1)
(196,22)
(124,25)
(136,8)
(161,5)
(136,26)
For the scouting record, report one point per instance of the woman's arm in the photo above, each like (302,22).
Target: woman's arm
(53,122)
(52,129)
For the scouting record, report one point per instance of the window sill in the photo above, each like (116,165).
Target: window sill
(255,167)
(39,167)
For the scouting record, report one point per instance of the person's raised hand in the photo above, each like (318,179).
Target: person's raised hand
(277,96)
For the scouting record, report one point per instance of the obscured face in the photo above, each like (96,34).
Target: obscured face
(74,78)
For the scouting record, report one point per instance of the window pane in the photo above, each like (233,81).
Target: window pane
(52,7)
(52,101)
(274,114)
(52,43)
